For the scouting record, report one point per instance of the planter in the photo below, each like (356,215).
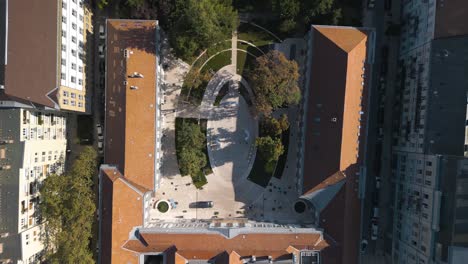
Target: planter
(163,206)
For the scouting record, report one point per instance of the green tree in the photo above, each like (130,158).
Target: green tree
(269,149)
(67,205)
(274,81)
(190,161)
(284,123)
(198,24)
(135,3)
(190,137)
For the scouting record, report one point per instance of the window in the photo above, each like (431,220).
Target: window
(64,5)
(74,26)
(65,101)
(43,159)
(49,158)
(74,39)
(64,33)
(73,95)
(64,47)
(74,66)
(65,93)
(73,12)
(80,81)
(63,76)
(73,79)
(80,69)
(64,62)
(428,163)
(428,173)
(81,18)
(35,159)
(80,104)
(81,31)
(73,103)
(73,52)
(64,19)
(80,97)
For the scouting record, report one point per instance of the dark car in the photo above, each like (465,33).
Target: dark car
(201,204)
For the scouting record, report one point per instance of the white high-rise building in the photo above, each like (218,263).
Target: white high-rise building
(32,146)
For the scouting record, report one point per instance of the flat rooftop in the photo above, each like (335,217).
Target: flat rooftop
(31,71)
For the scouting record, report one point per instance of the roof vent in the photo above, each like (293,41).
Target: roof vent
(127,53)
(125,82)
(334,119)
(137,75)
(134,87)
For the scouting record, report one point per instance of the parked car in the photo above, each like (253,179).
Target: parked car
(100,147)
(101,49)
(374,231)
(364,244)
(99,129)
(201,204)
(375,213)
(102,33)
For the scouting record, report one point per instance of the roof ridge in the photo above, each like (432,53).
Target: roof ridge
(345,38)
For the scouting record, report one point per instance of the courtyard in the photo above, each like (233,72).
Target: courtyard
(231,131)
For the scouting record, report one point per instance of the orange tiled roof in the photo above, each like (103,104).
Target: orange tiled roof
(122,209)
(130,113)
(207,246)
(335,124)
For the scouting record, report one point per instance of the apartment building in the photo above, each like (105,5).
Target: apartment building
(429,131)
(45,53)
(32,146)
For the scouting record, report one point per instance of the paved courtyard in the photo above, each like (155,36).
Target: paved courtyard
(231,133)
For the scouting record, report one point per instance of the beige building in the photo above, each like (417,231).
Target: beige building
(32,146)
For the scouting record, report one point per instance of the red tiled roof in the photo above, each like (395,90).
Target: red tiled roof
(130,113)
(208,246)
(332,141)
(122,209)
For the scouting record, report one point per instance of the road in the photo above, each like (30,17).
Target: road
(379,136)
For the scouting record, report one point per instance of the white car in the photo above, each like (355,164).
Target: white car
(101,51)
(102,33)
(364,245)
(377,182)
(374,231)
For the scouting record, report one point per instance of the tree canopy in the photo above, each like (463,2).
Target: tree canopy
(274,127)
(198,24)
(270,149)
(190,144)
(67,204)
(274,80)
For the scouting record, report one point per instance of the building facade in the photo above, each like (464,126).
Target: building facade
(429,133)
(32,146)
(53,74)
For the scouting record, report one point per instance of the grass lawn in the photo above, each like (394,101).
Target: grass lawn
(199,178)
(222,92)
(255,35)
(283,158)
(195,95)
(218,61)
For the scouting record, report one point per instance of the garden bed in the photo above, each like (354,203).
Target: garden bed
(198,175)
(283,158)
